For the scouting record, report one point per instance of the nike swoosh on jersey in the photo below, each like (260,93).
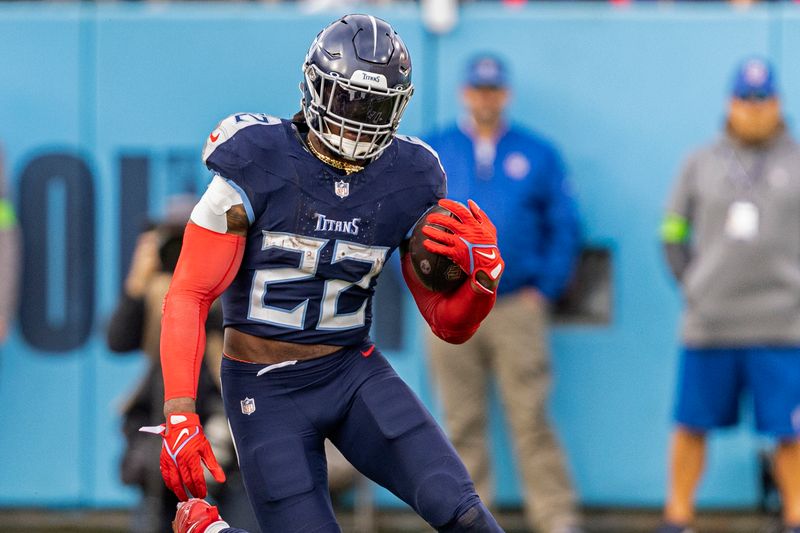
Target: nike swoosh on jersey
(214,137)
(488,256)
(368,351)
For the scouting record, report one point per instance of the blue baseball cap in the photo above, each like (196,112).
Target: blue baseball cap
(754,80)
(486,70)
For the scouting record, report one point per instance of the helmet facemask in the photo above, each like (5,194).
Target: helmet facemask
(355,118)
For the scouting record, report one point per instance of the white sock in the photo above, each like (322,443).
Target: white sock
(216,527)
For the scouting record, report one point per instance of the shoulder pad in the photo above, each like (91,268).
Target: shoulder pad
(434,169)
(423,144)
(229,126)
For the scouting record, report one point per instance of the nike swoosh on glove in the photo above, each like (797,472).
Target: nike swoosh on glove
(472,245)
(185,449)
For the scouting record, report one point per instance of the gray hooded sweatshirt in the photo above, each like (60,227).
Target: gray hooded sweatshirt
(742,208)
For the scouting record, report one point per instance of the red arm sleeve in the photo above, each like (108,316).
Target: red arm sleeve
(207,265)
(453,317)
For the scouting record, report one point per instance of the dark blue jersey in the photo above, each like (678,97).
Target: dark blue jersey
(318,239)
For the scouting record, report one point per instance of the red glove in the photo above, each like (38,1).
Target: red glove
(196,515)
(472,245)
(185,448)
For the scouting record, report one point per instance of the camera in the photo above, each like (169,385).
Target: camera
(170,240)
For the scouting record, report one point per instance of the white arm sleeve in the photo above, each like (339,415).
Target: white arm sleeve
(210,211)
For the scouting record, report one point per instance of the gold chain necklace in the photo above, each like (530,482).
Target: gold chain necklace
(349,168)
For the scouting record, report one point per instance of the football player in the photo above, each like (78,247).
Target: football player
(293,230)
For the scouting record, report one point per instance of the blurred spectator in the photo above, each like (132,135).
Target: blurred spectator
(518,179)
(10,255)
(731,239)
(320,6)
(136,325)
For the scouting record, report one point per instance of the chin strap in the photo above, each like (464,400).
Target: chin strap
(349,168)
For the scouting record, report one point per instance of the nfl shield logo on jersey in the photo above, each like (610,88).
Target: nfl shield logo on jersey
(248,406)
(342,189)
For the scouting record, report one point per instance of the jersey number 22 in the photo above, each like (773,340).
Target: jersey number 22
(309,248)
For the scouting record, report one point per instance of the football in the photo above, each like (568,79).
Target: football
(436,272)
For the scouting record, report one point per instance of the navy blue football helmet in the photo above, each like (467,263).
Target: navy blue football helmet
(357,85)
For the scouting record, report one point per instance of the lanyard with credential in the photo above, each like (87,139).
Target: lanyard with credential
(742,222)
(746,178)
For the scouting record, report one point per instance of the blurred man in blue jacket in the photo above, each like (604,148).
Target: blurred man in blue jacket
(518,179)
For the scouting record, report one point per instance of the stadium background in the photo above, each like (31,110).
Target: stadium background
(105,108)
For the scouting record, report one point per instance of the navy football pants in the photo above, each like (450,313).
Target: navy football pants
(370,414)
